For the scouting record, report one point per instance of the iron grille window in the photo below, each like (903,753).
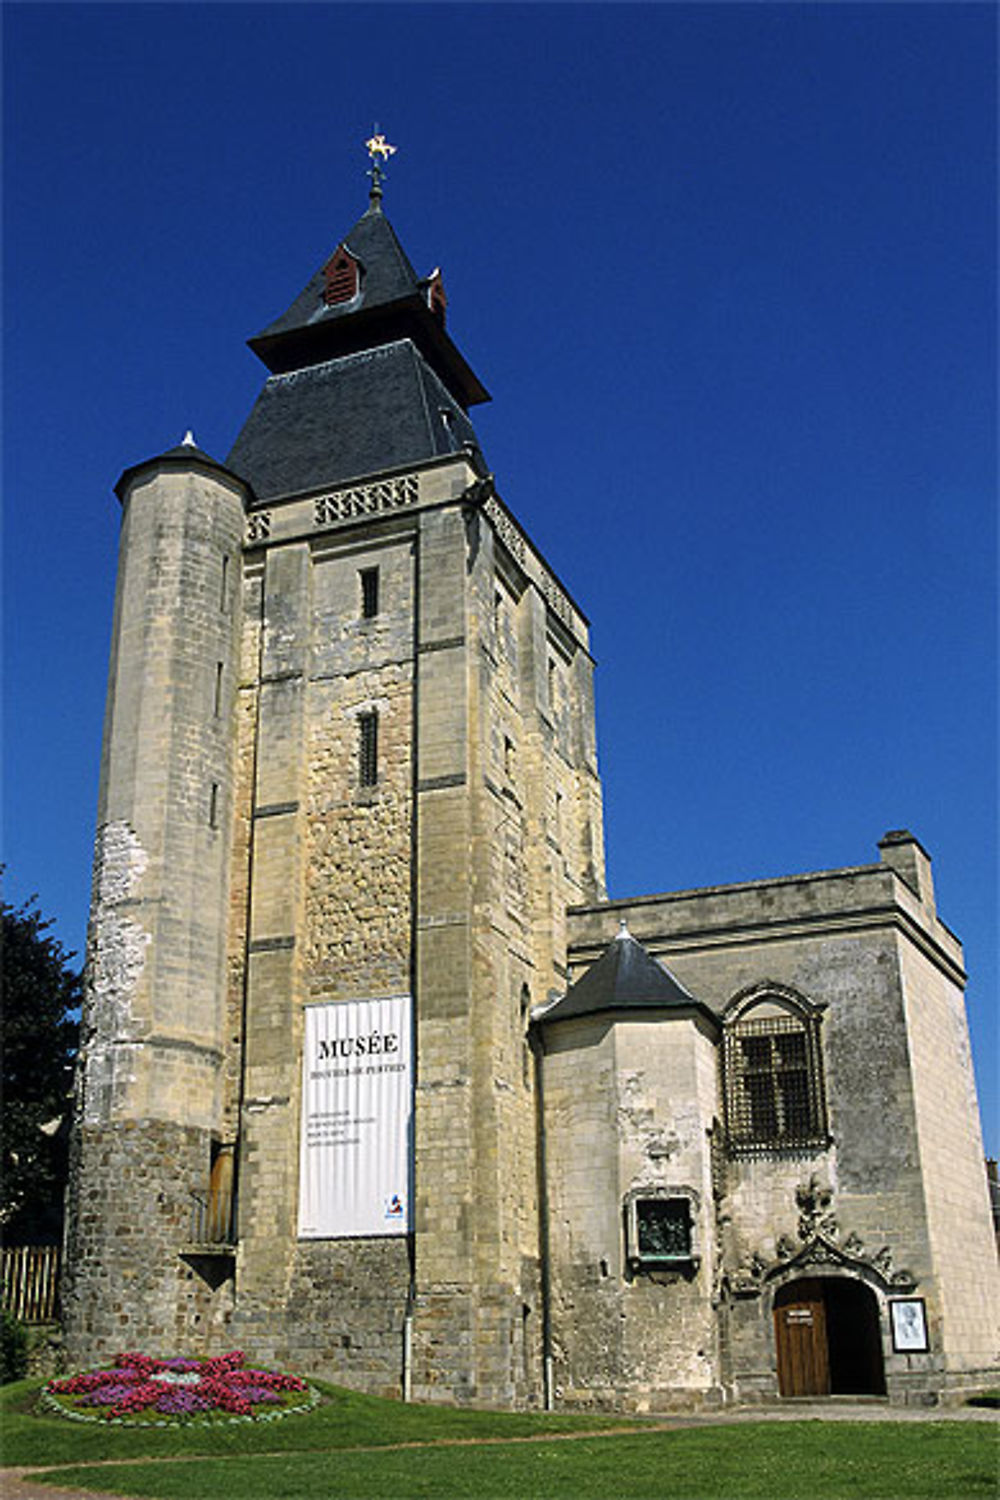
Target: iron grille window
(368,749)
(369,593)
(773,1083)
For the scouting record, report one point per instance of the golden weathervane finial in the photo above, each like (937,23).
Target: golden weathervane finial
(379,152)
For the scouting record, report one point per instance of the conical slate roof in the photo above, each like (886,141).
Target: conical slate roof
(185,455)
(625,977)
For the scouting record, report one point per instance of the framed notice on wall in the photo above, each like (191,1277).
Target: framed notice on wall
(356,1149)
(909,1325)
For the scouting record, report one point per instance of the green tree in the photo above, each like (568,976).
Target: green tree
(39,1033)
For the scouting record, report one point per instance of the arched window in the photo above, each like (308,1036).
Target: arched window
(773,1072)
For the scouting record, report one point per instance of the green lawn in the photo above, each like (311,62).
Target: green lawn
(752,1461)
(342,1420)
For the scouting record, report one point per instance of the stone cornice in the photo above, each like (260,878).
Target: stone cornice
(883,911)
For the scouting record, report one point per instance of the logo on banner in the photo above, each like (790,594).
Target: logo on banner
(394,1207)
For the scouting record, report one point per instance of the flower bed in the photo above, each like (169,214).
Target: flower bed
(149,1392)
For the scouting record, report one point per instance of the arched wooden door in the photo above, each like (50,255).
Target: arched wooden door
(801,1341)
(828,1339)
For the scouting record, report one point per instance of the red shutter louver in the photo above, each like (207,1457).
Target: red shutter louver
(340,277)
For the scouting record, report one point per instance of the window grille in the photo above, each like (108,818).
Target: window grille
(369,593)
(773,1083)
(368,749)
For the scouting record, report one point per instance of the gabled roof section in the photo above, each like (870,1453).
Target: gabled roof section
(624,978)
(392,302)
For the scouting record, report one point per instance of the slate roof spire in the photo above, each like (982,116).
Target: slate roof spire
(364,375)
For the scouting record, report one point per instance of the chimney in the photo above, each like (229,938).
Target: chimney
(901,850)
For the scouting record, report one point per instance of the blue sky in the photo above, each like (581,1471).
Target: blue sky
(728,272)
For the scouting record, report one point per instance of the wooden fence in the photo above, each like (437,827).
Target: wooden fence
(30,1280)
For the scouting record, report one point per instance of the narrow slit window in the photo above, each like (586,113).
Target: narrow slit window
(369,593)
(223,587)
(217,700)
(368,749)
(213,806)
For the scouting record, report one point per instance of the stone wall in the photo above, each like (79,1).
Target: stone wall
(865,946)
(126,1284)
(627,1105)
(150,1079)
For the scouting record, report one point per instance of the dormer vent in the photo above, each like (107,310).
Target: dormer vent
(341,277)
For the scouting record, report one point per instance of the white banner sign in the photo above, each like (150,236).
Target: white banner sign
(357,1119)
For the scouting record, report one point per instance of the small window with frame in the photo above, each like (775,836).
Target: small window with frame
(369,593)
(661,1226)
(368,749)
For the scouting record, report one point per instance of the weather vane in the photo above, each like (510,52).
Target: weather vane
(379,152)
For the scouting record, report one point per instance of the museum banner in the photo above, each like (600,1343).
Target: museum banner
(357,1119)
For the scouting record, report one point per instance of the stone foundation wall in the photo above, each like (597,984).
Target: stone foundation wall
(126,1285)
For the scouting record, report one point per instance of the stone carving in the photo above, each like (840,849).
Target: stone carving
(556,599)
(258,526)
(813,1200)
(512,538)
(504,526)
(748,1277)
(818,1245)
(366,499)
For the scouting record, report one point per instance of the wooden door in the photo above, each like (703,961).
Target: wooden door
(800,1339)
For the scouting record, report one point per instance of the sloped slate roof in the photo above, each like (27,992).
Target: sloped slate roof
(388,275)
(392,304)
(625,977)
(184,455)
(357,415)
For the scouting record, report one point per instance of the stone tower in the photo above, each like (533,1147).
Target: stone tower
(352,693)
(369,1086)
(150,1085)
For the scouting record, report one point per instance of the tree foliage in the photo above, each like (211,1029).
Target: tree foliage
(39,1033)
